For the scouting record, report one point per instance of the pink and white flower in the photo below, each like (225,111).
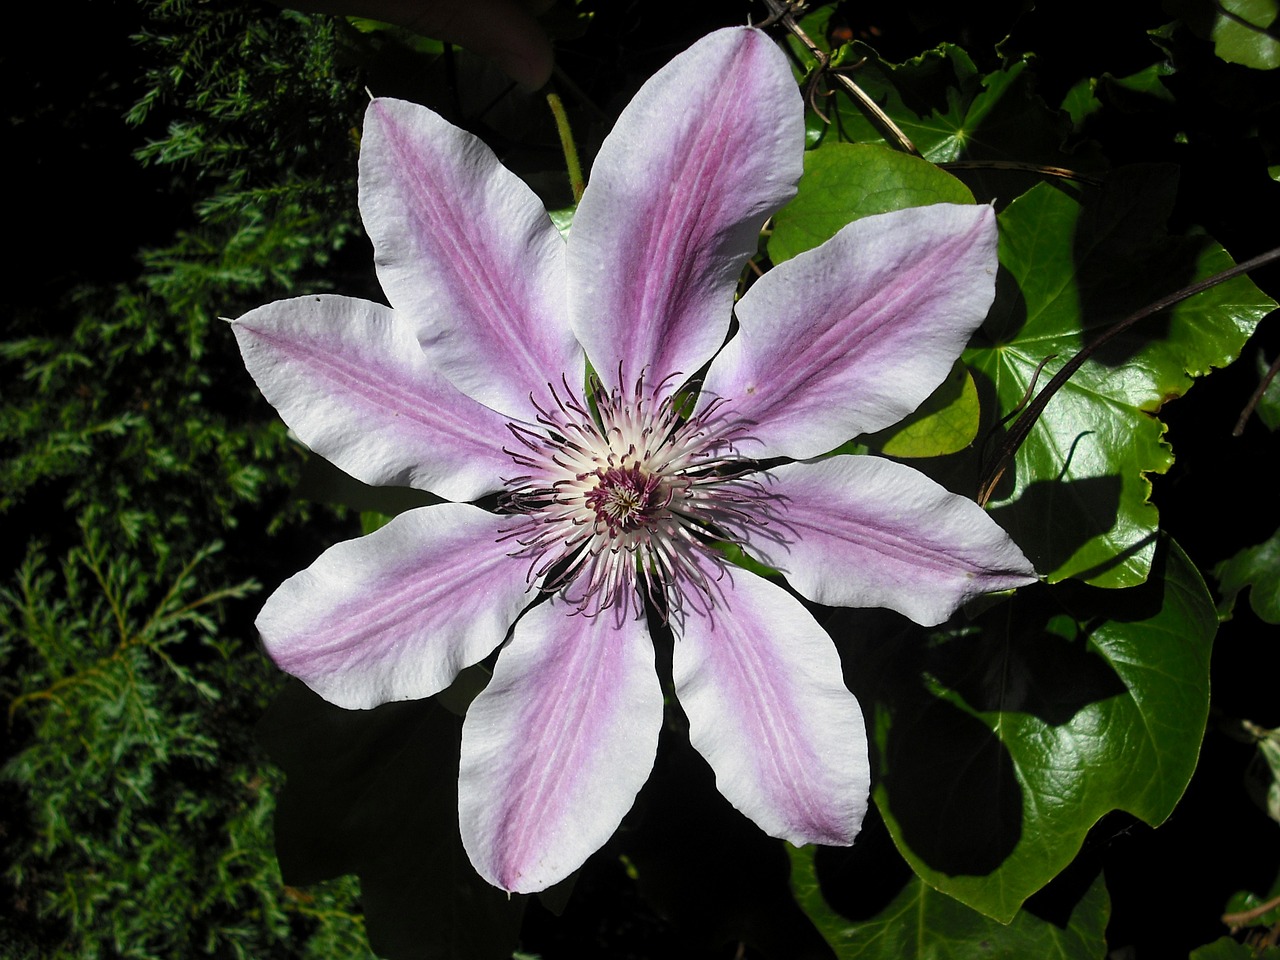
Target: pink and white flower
(615,498)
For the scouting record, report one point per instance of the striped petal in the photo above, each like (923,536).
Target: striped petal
(556,748)
(707,150)
(350,380)
(761,684)
(868,532)
(852,336)
(467,254)
(395,615)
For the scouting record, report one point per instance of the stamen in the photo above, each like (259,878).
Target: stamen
(627,502)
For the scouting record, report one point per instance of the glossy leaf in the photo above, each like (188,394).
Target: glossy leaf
(844,182)
(1239,29)
(1019,731)
(1256,569)
(1076,262)
(921,922)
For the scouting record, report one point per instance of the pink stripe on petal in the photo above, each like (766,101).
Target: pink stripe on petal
(467,254)
(395,615)
(350,380)
(558,745)
(707,150)
(851,337)
(868,532)
(761,684)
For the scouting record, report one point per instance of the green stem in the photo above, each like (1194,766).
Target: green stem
(566,143)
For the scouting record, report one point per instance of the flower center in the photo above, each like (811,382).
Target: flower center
(623,497)
(624,492)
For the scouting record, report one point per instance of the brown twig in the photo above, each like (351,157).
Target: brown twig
(1021,428)
(1245,917)
(783,13)
(1062,173)
(1257,396)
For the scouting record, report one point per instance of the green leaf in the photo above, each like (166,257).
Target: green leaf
(1244,901)
(844,182)
(563,219)
(1256,569)
(1241,30)
(946,422)
(1269,404)
(739,557)
(1074,262)
(952,113)
(1262,781)
(371,520)
(938,99)
(322,482)
(920,922)
(1134,94)
(1008,738)
(401,35)
(1225,948)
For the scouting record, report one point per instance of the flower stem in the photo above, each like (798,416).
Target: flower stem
(566,143)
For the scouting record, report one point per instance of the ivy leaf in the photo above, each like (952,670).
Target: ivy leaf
(1268,408)
(1240,29)
(1001,742)
(921,922)
(948,108)
(375,792)
(1246,901)
(1225,948)
(992,125)
(1074,263)
(947,422)
(844,182)
(1256,569)
(1262,778)
(1228,948)
(1137,94)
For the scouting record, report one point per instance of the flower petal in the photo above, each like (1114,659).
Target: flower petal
(852,336)
(352,383)
(868,532)
(707,150)
(395,615)
(761,684)
(467,254)
(555,749)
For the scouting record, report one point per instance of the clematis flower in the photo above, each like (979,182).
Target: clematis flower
(616,498)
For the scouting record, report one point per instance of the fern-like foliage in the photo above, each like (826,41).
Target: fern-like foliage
(148,810)
(135,809)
